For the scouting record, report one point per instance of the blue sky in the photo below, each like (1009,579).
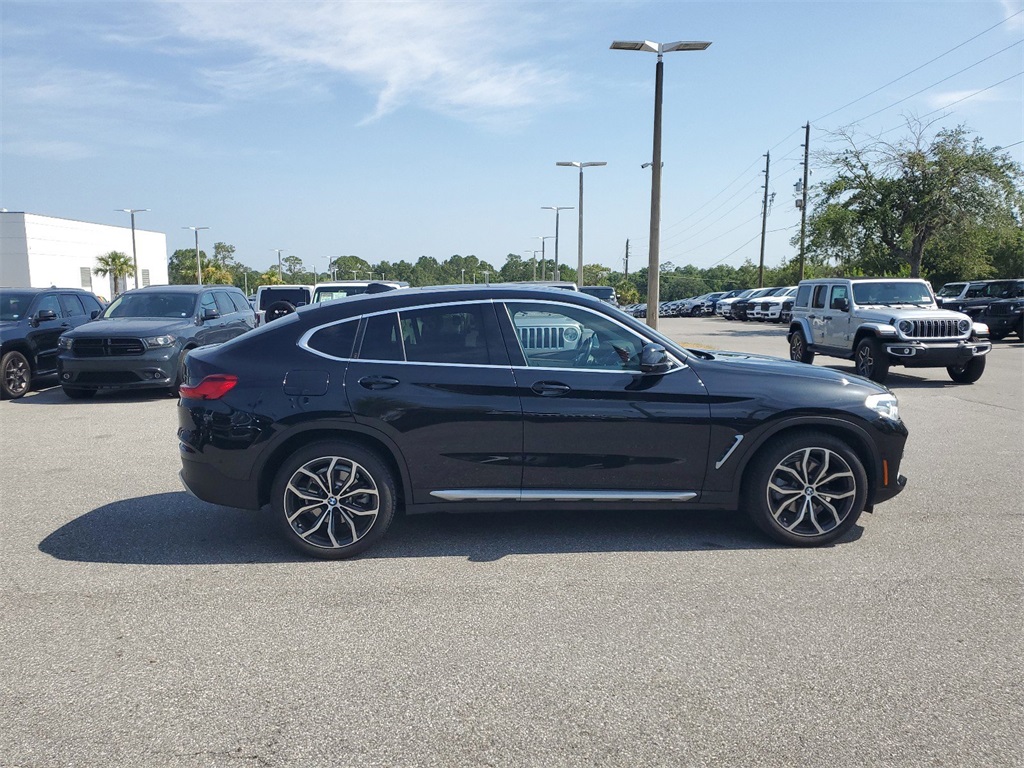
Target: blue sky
(393,130)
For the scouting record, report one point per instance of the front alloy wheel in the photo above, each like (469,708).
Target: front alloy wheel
(333,500)
(16,375)
(871,359)
(807,490)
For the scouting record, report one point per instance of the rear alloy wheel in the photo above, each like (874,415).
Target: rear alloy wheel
(16,375)
(967,373)
(808,489)
(798,351)
(871,359)
(333,500)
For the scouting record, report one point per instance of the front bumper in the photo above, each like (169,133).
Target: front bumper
(918,354)
(155,368)
(1001,324)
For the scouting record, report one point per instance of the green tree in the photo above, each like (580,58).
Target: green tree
(116,264)
(889,201)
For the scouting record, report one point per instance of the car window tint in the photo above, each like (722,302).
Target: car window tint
(819,296)
(224,305)
(382,339)
(91,305)
(208,302)
(837,296)
(241,305)
(553,336)
(445,335)
(49,301)
(335,340)
(72,306)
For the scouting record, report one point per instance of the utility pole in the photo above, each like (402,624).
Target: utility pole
(764,217)
(625,274)
(803,202)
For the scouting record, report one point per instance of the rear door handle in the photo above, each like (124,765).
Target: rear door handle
(378,382)
(551,388)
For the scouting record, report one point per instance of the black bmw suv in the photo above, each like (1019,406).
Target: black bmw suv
(140,340)
(489,397)
(31,322)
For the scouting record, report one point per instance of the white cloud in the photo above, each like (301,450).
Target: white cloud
(1011,7)
(942,99)
(454,57)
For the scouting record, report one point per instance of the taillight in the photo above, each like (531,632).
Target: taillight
(211,388)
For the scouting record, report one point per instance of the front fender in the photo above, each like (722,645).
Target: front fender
(800,324)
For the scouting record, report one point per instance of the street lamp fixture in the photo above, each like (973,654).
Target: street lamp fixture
(556,209)
(655,239)
(579,238)
(199,263)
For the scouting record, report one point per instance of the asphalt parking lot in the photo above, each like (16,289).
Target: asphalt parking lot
(144,628)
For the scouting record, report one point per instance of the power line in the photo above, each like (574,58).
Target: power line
(883,109)
(931,61)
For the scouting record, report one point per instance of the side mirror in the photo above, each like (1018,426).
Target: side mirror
(42,316)
(654,359)
(209,314)
(843,305)
(94,314)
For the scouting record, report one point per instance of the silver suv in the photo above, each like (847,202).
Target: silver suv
(879,322)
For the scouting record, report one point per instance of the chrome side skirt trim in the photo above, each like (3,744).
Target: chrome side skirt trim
(509,494)
(733,447)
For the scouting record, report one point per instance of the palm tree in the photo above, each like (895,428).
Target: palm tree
(115,263)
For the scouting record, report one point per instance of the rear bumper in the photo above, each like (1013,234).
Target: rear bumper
(207,484)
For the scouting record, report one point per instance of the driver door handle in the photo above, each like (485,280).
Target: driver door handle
(378,382)
(551,388)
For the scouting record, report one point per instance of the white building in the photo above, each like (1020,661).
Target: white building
(40,251)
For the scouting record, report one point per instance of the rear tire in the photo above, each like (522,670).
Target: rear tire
(798,351)
(333,499)
(277,310)
(807,489)
(969,373)
(871,359)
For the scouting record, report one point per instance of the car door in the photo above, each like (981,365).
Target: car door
(594,426)
(42,335)
(437,381)
(817,316)
(836,328)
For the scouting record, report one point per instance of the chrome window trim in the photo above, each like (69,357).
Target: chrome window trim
(531,494)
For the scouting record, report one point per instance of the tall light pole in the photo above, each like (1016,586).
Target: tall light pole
(280,269)
(556,209)
(543,267)
(579,239)
(135,259)
(199,263)
(654,243)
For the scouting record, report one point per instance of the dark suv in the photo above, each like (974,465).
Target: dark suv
(472,398)
(31,321)
(140,340)
(1005,315)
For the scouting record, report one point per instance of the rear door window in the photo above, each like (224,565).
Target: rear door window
(820,291)
(224,305)
(450,334)
(71,305)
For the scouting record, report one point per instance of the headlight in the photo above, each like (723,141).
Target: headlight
(884,405)
(155,342)
(64,343)
(571,334)
(964,325)
(906,327)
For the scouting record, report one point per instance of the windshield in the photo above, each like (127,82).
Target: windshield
(151,304)
(337,292)
(883,293)
(950,290)
(600,292)
(14,306)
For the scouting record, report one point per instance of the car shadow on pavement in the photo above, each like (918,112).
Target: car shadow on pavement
(175,529)
(55,396)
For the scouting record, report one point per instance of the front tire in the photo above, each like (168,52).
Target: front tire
(333,499)
(871,359)
(798,351)
(969,373)
(806,490)
(15,375)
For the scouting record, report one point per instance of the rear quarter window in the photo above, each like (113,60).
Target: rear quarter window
(335,340)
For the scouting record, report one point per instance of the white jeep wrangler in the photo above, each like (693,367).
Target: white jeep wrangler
(879,322)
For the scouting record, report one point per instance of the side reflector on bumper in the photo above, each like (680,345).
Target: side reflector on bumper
(211,388)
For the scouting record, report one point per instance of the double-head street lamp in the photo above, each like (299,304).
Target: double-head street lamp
(135,259)
(655,239)
(556,209)
(579,241)
(199,263)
